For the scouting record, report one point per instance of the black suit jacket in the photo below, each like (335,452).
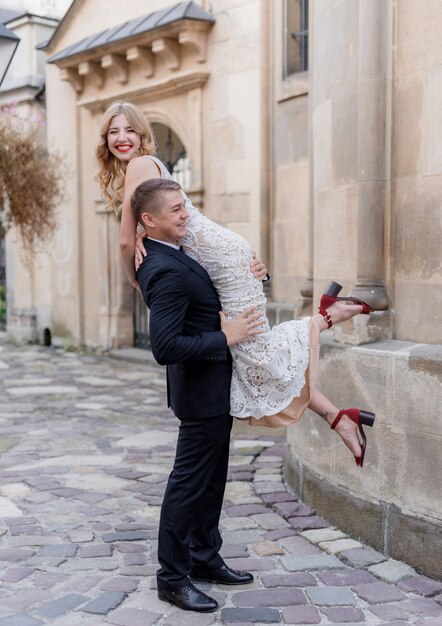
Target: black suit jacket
(185,332)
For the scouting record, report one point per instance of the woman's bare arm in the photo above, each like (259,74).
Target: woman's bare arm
(138,170)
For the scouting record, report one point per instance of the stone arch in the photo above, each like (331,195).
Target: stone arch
(173,153)
(184,118)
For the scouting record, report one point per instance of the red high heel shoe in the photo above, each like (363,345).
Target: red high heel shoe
(330,296)
(358,417)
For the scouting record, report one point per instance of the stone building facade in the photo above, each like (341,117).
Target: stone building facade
(28,292)
(312,128)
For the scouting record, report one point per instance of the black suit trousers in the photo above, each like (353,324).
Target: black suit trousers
(188,532)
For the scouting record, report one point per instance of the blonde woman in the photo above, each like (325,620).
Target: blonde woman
(274,373)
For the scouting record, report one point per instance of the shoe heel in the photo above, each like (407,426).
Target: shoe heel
(366,418)
(333,289)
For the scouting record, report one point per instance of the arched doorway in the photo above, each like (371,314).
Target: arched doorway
(172,152)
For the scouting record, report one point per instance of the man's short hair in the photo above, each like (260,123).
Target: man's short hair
(148,195)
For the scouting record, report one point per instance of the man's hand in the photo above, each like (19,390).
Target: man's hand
(247,324)
(140,250)
(258,268)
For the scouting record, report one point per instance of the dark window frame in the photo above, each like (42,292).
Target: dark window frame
(295,37)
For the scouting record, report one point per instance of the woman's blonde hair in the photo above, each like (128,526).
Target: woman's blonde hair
(111,171)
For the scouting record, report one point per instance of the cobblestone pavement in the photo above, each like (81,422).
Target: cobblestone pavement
(86,447)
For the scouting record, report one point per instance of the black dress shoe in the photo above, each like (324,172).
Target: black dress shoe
(188,598)
(224,575)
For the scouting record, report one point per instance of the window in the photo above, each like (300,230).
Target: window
(173,153)
(295,36)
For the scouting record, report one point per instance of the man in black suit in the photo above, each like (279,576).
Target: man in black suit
(190,336)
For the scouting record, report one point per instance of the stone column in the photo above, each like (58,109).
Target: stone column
(374,89)
(307,288)
(116,294)
(351,72)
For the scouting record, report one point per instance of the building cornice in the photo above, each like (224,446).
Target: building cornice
(140,43)
(175,84)
(31,18)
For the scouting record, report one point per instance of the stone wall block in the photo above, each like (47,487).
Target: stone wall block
(290,262)
(372,199)
(218,180)
(322,159)
(432,129)
(335,225)
(219,98)
(365,329)
(371,130)
(358,516)
(291,137)
(399,485)
(408,102)
(423,535)
(337,56)
(22,325)
(238,178)
(344,148)
(373,28)
(238,54)
(227,139)
(231,207)
(418,40)
(417,247)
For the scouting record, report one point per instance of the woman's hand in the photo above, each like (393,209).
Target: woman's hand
(140,250)
(258,268)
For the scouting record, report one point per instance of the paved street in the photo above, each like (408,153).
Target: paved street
(86,447)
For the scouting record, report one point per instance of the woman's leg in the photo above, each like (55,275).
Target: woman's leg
(346,428)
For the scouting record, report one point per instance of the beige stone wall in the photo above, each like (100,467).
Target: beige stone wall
(401,383)
(29,292)
(29,287)
(291,218)
(62,125)
(395,497)
(235,118)
(376,98)
(350,188)
(417,173)
(220,118)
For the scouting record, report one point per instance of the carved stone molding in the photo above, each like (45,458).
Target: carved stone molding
(176,84)
(196,39)
(144,57)
(118,64)
(146,51)
(168,50)
(72,76)
(93,69)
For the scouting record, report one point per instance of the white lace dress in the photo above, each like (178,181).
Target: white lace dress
(270,370)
